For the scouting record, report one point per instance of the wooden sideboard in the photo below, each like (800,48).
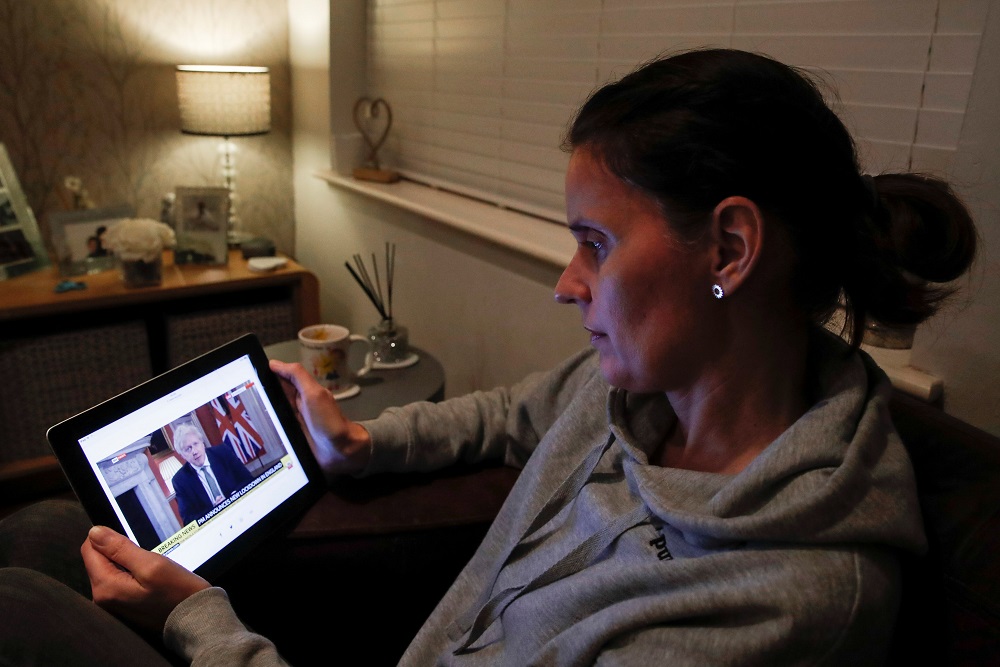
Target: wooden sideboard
(61,353)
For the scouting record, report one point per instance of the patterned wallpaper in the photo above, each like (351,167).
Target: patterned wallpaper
(88,89)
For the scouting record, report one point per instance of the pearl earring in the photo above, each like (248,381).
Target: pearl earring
(717,291)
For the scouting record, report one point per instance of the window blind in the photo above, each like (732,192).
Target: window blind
(482,90)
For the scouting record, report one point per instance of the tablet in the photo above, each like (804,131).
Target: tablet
(137,461)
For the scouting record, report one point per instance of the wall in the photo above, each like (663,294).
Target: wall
(88,90)
(959,344)
(487,312)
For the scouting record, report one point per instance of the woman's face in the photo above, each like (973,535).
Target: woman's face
(643,293)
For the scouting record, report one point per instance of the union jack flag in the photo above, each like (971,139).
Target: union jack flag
(236,427)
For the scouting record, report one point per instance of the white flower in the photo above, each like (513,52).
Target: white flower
(81,199)
(139,238)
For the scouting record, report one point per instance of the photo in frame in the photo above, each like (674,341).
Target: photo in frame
(78,238)
(201,223)
(21,246)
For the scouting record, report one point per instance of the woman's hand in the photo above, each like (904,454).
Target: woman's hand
(339,445)
(139,586)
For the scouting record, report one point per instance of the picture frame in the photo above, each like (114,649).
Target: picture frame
(21,246)
(201,223)
(76,236)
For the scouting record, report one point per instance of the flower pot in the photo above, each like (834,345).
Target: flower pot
(137,273)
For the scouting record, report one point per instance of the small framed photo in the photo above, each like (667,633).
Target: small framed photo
(78,237)
(21,247)
(202,225)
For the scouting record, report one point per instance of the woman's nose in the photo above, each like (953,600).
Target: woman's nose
(571,288)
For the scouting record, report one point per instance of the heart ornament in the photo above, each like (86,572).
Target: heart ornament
(373,118)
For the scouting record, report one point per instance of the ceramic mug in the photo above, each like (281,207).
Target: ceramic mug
(325,352)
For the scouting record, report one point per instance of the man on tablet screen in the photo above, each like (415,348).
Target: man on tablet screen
(210,475)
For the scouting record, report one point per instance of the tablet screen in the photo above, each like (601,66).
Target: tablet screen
(198,464)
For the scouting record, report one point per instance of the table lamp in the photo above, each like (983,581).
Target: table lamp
(225,101)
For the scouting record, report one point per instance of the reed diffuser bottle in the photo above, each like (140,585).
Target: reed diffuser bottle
(390,340)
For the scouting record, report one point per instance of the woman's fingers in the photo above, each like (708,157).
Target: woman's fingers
(338,444)
(140,586)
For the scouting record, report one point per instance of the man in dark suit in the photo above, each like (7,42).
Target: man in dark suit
(210,475)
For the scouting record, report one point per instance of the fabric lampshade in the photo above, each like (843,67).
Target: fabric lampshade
(222,100)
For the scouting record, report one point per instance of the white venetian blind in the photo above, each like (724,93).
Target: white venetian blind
(482,90)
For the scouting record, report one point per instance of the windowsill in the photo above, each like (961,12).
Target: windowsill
(896,364)
(534,237)
(550,242)
(913,381)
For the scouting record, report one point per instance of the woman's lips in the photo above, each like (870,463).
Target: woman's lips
(594,335)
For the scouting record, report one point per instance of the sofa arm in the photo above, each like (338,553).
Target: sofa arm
(950,607)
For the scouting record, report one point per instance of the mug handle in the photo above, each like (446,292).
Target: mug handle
(369,357)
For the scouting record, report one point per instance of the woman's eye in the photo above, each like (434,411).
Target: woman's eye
(591,241)
(594,242)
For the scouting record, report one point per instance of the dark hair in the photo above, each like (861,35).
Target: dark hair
(694,128)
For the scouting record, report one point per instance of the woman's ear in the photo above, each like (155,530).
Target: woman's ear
(738,233)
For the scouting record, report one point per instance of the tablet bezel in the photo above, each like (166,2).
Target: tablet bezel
(64,440)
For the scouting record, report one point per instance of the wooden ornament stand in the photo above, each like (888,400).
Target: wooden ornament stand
(365,112)
(378,175)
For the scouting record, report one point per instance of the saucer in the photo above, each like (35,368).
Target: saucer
(353,390)
(410,359)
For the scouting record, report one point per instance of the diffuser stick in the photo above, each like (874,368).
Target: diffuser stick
(378,283)
(368,292)
(363,270)
(390,263)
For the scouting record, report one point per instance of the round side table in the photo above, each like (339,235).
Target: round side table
(381,388)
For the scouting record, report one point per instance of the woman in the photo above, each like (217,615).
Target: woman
(715,481)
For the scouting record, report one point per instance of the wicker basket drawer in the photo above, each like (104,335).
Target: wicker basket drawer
(191,334)
(49,378)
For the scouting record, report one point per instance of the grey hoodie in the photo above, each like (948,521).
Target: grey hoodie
(598,557)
